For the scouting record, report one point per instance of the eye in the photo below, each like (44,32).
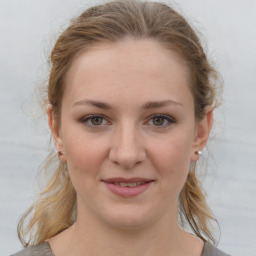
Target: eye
(161,121)
(94,121)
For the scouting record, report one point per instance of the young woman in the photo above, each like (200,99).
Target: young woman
(130,101)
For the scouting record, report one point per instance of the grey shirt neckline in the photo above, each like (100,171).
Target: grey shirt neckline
(44,249)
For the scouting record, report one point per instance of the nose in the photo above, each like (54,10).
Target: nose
(127,149)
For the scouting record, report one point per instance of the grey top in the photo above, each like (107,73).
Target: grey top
(44,249)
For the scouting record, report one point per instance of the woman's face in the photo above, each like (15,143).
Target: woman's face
(128,132)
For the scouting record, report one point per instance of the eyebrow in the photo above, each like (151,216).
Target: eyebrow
(160,104)
(148,105)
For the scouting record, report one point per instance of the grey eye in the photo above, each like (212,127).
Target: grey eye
(158,121)
(161,121)
(96,120)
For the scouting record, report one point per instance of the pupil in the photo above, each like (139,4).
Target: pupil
(158,121)
(96,121)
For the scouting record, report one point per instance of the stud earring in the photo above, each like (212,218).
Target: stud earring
(60,154)
(199,152)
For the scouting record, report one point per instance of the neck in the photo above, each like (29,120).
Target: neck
(126,242)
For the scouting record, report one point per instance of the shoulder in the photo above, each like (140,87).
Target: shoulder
(42,249)
(210,250)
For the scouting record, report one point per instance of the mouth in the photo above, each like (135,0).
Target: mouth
(127,187)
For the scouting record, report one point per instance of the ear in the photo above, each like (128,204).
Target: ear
(56,132)
(202,134)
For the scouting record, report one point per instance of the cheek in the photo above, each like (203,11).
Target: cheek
(84,158)
(172,159)
(85,154)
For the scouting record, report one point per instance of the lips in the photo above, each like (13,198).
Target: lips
(127,187)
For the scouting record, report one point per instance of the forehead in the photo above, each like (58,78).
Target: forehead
(122,67)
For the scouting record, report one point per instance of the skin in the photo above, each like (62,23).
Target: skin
(128,141)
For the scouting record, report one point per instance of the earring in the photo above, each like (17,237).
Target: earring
(59,154)
(199,152)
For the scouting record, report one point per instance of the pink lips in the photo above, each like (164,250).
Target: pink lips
(127,187)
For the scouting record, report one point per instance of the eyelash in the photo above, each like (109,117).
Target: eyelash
(169,120)
(88,118)
(85,120)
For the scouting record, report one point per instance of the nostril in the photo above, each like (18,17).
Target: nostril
(126,162)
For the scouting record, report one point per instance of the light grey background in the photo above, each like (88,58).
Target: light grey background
(28,29)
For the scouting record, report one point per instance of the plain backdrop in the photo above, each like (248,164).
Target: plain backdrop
(28,29)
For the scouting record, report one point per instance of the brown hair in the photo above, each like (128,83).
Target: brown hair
(55,208)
